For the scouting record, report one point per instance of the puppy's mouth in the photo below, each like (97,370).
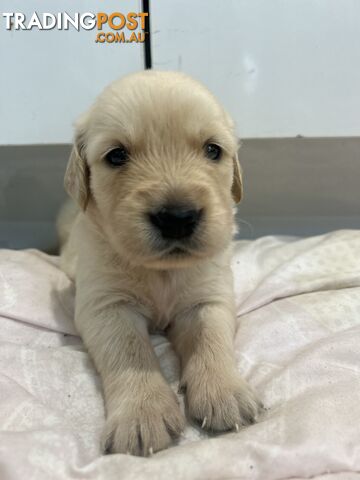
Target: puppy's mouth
(182,250)
(178,251)
(177,254)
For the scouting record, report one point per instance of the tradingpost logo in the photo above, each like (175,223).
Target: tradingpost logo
(115,27)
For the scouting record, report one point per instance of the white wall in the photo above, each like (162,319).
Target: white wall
(50,77)
(282,68)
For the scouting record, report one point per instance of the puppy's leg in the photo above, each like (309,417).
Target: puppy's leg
(143,414)
(217,397)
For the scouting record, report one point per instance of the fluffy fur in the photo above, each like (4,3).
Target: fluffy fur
(127,277)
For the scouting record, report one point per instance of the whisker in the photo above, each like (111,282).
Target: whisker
(248,224)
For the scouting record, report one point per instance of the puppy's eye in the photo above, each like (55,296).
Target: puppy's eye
(213,151)
(117,157)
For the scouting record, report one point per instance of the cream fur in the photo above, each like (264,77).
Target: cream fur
(126,280)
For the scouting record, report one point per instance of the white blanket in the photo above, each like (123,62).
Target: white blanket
(297,343)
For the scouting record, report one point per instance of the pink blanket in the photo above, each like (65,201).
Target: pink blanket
(298,344)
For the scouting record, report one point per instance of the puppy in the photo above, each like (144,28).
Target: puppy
(154,172)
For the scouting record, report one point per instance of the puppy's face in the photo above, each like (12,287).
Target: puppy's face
(155,166)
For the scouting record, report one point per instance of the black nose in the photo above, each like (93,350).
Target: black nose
(176,222)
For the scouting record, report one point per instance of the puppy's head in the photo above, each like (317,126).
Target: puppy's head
(155,166)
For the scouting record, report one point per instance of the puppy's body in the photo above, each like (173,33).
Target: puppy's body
(152,248)
(160,294)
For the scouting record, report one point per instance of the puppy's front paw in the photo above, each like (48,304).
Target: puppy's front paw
(144,421)
(220,401)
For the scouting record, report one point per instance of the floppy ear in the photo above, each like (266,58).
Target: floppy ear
(77,175)
(237,186)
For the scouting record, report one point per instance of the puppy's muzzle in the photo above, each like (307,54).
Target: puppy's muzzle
(176,222)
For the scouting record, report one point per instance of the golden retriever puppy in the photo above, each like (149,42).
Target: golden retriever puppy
(155,173)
